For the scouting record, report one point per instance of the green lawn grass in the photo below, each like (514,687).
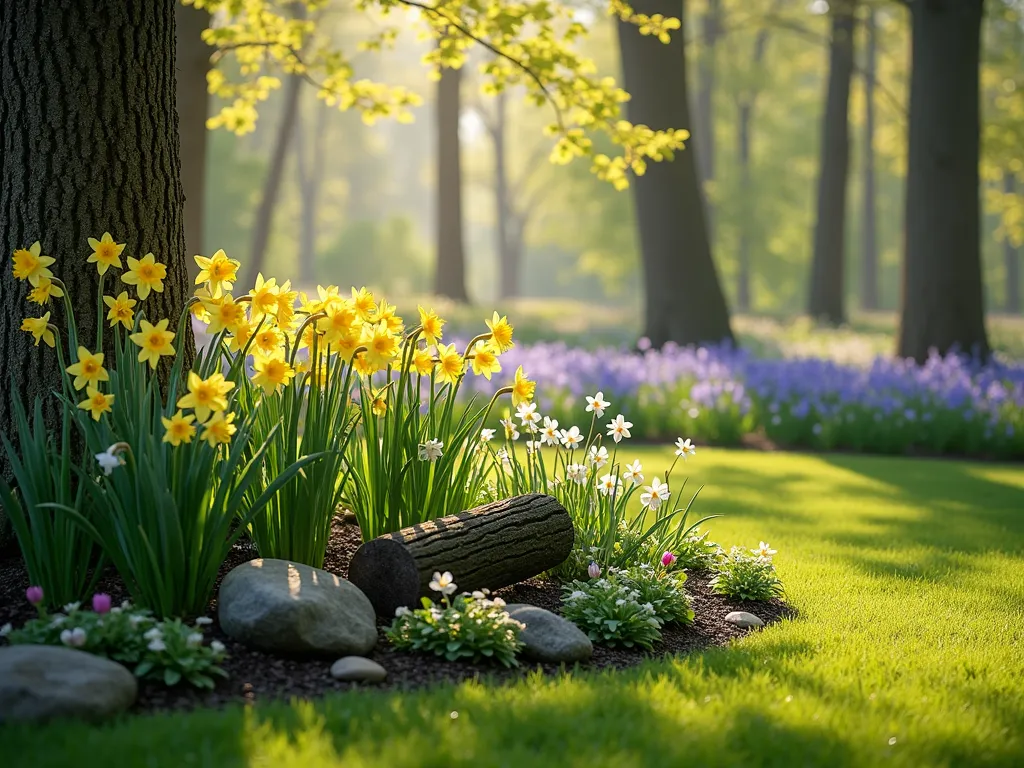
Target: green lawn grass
(908,650)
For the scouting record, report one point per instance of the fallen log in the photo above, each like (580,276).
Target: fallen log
(492,546)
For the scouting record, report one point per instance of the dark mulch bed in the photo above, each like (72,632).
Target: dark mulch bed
(256,676)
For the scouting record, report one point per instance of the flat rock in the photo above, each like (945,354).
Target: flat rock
(548,637)
(744,620)
(284,607)
(358,669)
(40,682)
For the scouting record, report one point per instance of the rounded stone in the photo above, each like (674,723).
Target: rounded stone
(548,637)
(284,607)
(40,682)
(358,669)
(744,620)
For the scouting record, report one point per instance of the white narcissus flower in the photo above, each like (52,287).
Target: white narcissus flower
(634,473)
(527,413)
(597,404)
(549,432)
(109,461)
(73,638)
(443,583)
(431,450)
(511,429)
(764,551)
(577,473)
(532,446)
(618,428)
(486,435)
(598,456)
(685,448)
(571,438)
(609,484)
(654,494)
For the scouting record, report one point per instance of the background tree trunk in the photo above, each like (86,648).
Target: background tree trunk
(264,222)
(450,277)
(1011,257)
(704,120)
(869,227)
(684,299)
(943,295)
(89,144)
(826,300)
(193,62)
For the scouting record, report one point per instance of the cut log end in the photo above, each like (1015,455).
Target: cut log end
(385,571)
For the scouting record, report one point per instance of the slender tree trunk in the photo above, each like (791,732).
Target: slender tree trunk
(193,62)
(264,222)
(508,257)
(704,123)
(943,293)
(826,301)
(1011,256)
(309,168)
(450,277)
(88,143)
(684,299)
(869,230)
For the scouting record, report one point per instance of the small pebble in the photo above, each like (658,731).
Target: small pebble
(744,620)
(358,669)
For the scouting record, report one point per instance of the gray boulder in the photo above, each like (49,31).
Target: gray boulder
(358,669)
(283,607)
(40,682)
(744,620)
(548,637)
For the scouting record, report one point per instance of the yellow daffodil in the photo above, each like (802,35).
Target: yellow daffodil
(363,366)
(485,359)
(219,429)
(347,345)
(271,373)
(423,362)
(31,265)
(264,297)
(223,313)
(105,253)
(450,365)
(39,327)
(154,340)
(329,296)
(522,388)
(120,310)
(218,271)
(364,304)
(44,291)
(206,395)
(386,314)
(340,321)
(501,333)
(431,325)
(286,304)
(89,369)
(240,336)
(146,274)
(267,341)
(381,346)
(96,403)
(179,428)
(380,403)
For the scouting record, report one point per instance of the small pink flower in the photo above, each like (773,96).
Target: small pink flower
(668,559)
(101,603)
(34,595)
(594,570)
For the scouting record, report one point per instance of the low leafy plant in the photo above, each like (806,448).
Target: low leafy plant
(470,626)
(747,574)
(695,552)
(610,612)
(660,588)
(166,651)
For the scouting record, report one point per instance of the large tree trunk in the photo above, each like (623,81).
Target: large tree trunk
(193,62)
(264,222)
(89,144)
(684,299)
(869,227)
(1011,257)
(450,277)
(943,293)
(826,295)
(704,120)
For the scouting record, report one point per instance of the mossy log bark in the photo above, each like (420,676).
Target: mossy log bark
(492,546)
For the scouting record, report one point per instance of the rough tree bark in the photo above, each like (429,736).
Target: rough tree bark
(684,299)
(826,300)
(869,226)
(943,293)
(490,547)
(704,120)
(263,224)
(309,166)
(450,276)
(193,99)
(1011,257)
(88,143)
